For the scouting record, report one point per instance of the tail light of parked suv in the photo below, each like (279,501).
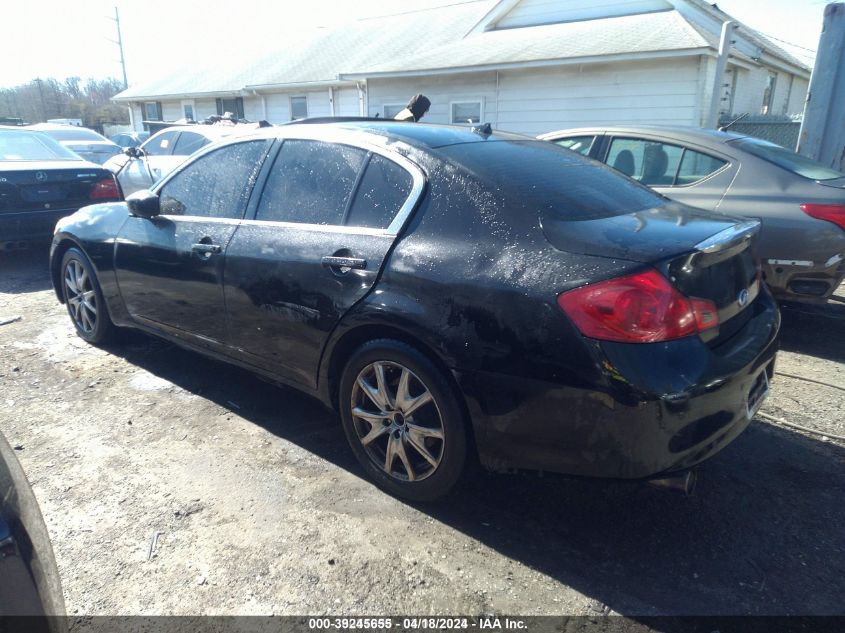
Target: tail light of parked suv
(639,308)
(831,212)
(105,189)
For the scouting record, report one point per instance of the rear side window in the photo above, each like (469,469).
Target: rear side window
(539,176)
(696,166)
(310,182)
(785,159)
(650,162)
(382,191)
(188,143)
(580,144)
(659,164)
(216,185)
(162,144)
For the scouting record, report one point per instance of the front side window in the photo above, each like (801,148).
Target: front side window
(310,182)
(466,112)
(161,144)
(382,191)
(216,185)
(298,108)
(650,162)
(580,144)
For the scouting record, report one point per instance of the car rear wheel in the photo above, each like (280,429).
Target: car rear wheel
(402,420)
(84,299)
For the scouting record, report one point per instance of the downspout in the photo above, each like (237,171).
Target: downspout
(721,62)
(362,89)
(131,117)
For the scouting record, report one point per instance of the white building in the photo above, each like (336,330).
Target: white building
(527,66)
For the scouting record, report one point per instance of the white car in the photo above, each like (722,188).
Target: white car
(138,168)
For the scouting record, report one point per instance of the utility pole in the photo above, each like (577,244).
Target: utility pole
(721,63)
(822,136)
(119,43)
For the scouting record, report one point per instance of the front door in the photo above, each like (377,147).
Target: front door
(327,217)
(170,268)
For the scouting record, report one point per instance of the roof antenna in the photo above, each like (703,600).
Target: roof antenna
(724,128)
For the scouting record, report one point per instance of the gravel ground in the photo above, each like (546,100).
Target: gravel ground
(260,508)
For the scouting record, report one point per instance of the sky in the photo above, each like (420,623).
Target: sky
(58,38)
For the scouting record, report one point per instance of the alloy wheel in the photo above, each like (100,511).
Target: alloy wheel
(397,421)
(81,296)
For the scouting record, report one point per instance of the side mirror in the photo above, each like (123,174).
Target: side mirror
(133,152)
(144,204)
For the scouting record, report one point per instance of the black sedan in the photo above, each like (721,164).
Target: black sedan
(42,181)
(447,290)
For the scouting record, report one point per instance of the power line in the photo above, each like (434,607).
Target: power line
(777,39)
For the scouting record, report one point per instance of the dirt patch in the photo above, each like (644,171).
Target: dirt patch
(172,484)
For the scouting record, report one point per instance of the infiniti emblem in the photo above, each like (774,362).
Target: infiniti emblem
(743,297)
(40,175)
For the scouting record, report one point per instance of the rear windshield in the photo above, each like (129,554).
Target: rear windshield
(15,145)
(73,134)
(554,180)
(785,159)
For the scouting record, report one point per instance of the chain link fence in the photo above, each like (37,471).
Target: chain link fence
(780,129)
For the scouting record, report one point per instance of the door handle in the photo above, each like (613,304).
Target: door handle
(206,249)
(344,262)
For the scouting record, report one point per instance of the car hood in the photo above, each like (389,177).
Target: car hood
(644,236)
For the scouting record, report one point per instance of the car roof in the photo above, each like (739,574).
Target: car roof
(425,135)
(678,132)
(209,131)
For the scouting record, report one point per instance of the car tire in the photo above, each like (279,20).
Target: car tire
(84,298)
(406,427)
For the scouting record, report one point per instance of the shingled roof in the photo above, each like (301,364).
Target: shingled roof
(444,39)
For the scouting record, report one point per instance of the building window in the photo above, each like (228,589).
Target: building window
(466,112)
(769,94)
(152,111)
(298,108)
(235,105)
(188,110)
(390,110)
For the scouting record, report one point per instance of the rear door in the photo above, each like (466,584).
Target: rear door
(170,268)
(326,219)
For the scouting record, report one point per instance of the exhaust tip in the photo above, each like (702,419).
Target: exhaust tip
(683,482)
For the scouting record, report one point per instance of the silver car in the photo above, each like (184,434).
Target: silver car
(800,202)
(138,168)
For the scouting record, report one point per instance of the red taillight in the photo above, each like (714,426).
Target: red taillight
(105,189)
(831,212)
(641,308)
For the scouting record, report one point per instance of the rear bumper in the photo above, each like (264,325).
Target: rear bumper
(659,408)
(805,281)
(30,225)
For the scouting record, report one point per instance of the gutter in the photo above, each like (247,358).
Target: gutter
(570,61)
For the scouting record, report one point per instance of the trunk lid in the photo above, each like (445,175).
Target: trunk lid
(47,186)
(704,255)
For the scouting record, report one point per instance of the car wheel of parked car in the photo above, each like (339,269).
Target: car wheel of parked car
(84,299)
(402,420)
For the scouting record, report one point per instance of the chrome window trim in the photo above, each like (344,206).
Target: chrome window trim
(337,136)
